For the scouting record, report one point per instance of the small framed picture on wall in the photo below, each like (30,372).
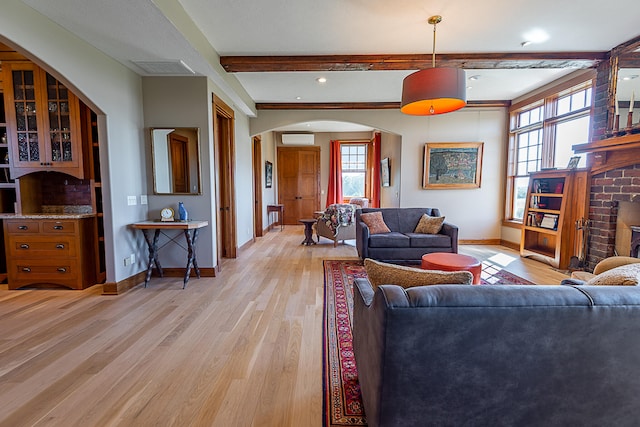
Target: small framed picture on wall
(385,172)
(268,174)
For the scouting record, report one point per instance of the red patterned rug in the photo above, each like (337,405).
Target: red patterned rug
(342,404)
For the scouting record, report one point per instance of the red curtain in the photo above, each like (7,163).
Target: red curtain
(334,192)
(375,171)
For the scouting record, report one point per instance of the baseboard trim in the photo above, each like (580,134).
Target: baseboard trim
(246,245)
(510,245)
(479,242)
(118,288)
(179,272)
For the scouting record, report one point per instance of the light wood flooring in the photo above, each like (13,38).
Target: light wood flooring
(241,349)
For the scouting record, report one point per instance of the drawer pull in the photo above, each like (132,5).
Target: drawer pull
(24,246)
(62,269)
(59,246)
(58,227)
(26,269)
(23,227)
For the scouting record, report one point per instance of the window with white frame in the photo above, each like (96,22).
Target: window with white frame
(354,170)
(541,136)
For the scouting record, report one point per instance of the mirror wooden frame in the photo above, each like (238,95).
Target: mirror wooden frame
(620,60)
(175,158)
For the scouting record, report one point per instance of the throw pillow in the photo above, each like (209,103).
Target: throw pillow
(626,275)
(429,224)
(382,273)
(375,222)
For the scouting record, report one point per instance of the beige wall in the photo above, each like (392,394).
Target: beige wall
(478,212)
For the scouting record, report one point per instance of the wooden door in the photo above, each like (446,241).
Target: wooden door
(225,181)
(257,186)
(179,152)
(299,182)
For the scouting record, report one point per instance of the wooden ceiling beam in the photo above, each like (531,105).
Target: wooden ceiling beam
(359,105)
(255,64)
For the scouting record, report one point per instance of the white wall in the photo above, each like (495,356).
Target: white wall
(391,148)
(115,93)
(244,179)
(478,212)
(268,194)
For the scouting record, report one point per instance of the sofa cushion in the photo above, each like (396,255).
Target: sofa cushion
(429,224)
(417,240)
(375,222)
(389,240)
(382,273)
(626,275)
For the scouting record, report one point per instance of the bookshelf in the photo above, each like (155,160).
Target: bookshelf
(556,199)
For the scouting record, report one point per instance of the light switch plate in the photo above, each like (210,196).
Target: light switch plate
(143,199)
(132,200)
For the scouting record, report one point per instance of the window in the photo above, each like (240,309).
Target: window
(541,135)
(354,170)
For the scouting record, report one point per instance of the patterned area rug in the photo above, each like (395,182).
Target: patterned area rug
(342,404)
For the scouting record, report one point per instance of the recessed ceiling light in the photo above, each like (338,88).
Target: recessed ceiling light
(469,87)
(298,98)
(536,36)
(474,77)
(631,77)
(321,79)
(525,43)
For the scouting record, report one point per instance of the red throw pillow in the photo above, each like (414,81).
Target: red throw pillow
(375,222)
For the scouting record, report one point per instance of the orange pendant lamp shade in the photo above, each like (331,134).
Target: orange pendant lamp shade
(433,91)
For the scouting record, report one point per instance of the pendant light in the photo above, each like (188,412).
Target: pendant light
(434,90)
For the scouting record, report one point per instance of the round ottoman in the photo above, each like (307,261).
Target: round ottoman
(453,262)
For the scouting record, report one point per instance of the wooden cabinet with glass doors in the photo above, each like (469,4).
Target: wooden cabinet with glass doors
(42,120)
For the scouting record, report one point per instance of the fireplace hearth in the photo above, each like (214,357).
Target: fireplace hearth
(635,242)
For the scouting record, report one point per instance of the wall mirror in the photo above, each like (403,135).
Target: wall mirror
(625,85)
(176,160)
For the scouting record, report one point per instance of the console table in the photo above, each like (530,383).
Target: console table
(152,242)
(279,210)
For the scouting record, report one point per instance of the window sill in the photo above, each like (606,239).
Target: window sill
(512,223)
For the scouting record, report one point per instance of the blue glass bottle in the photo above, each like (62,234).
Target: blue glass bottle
(182,212)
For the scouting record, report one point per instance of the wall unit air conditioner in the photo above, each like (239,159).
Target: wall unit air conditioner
(298,138)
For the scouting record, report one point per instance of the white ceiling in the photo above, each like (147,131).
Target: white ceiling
(197,31)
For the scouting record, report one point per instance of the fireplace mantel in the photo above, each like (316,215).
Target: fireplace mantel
(611,153)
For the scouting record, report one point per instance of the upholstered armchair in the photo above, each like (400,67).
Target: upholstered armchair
(360,201)
(609,267)
(337,223)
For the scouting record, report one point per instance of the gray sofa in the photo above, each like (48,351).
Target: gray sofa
(402,244)
(456,355)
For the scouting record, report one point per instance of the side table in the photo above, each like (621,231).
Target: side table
(446,261)
(279,210)
(308,231)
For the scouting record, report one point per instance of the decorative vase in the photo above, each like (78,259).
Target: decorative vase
(182,212)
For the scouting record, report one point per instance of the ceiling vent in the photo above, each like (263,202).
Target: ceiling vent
(298,138)
(165,68)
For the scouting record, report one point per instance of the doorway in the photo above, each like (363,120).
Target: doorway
(257,186)
(224,146)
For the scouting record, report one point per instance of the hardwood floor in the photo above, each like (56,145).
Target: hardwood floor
(241,349)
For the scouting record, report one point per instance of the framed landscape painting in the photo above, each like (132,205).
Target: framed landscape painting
(452,165)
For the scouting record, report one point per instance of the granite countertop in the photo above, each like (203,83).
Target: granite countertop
(46,216)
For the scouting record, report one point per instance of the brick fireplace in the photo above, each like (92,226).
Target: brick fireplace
(615,181)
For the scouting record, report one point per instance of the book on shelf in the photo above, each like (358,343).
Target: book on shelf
(549,221)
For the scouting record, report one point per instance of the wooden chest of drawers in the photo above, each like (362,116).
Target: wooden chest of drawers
(49,251)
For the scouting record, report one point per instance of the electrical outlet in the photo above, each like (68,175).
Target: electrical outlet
(131,259)
(143,199)
(132,200)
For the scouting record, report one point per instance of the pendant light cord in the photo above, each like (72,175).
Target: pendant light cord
(433,56)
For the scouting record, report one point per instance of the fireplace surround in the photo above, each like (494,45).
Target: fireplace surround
(615,178)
